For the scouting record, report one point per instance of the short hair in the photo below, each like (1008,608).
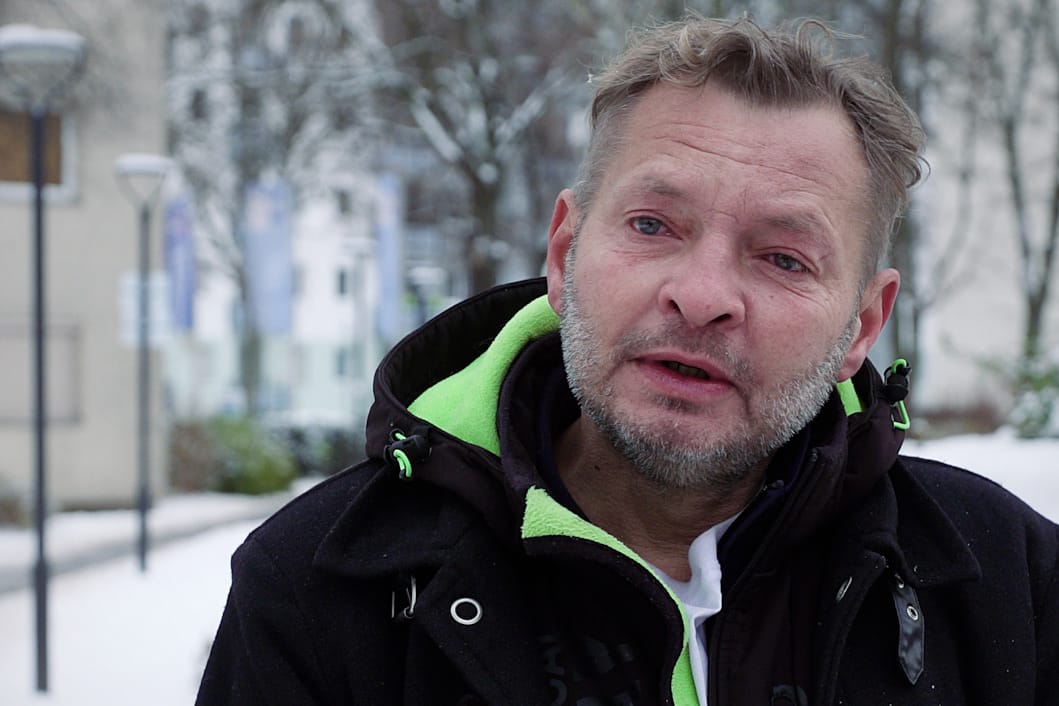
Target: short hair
(785,67)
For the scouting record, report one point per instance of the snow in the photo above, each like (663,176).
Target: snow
(31,44)
(121,637)
(142,164)
(76,538)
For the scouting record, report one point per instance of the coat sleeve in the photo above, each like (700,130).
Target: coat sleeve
(264,652)
(1048,630)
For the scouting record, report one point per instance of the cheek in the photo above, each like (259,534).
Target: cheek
(598,284)
(791,335)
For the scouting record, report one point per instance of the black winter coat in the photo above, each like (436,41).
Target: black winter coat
(441,570)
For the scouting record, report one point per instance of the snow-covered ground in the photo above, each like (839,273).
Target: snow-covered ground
(119,637)
(74,539)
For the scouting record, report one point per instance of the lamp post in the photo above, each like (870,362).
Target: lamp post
(39,64)
(141,177)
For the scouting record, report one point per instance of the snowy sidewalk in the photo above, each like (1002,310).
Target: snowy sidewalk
(77,539)
(119,637)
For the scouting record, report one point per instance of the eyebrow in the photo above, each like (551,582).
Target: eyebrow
(806,224)
(659,186)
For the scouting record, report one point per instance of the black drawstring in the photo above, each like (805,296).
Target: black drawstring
(895,390)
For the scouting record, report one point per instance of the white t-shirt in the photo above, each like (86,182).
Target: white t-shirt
(701,597)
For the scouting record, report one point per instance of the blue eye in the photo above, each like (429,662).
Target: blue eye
(647,225)
(788,263)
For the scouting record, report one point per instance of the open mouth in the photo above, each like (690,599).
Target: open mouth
(687,370)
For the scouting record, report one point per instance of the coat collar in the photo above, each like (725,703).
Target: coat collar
(369,540)
(899,520)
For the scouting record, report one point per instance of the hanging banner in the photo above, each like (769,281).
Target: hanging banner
(180,264)
(389,233)
(267,255)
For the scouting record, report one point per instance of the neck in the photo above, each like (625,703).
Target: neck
(656,521)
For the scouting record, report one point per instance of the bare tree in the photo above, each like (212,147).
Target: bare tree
(1017,46)
(474,79)
(261,88)
(899,41)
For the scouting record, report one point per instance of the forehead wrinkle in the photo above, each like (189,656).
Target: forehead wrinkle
(813,173)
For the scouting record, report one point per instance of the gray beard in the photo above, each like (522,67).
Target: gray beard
(779,413)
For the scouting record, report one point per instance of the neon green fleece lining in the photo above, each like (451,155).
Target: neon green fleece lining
(464,404)
(850,399)
(545,517)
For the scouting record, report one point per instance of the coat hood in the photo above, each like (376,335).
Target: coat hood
(443,382)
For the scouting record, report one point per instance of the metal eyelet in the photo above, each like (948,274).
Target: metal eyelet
(454,611)
(912,612)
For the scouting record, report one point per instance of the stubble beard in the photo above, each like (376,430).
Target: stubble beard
(664,456)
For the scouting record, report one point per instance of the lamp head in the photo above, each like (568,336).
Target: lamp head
(142,174)
(39,62)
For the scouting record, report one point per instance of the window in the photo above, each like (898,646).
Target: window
(296,33)
(343,283)
(199,108)
(356,360)
(344,201)
(341,362)
(198,19)
(64,375)
(14,148)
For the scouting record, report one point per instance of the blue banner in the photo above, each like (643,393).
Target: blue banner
(267,255)
(180,264)
(390,318)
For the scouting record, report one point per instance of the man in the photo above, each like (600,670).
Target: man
(687,491)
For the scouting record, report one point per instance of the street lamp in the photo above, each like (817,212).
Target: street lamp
(39,64)
(141,177)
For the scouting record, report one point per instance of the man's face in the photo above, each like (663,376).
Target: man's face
(714,297)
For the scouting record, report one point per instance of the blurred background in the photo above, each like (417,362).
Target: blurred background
(217,215)
(341,170)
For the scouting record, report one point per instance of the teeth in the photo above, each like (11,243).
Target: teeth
(688,370)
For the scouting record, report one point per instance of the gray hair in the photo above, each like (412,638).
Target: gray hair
(785,67)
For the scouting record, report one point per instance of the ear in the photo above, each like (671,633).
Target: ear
(560,238)
(876,305)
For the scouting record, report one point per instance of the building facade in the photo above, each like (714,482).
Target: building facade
(90,235)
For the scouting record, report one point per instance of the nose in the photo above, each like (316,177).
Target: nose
(703,287)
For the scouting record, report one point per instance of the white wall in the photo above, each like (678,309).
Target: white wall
(90,241)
